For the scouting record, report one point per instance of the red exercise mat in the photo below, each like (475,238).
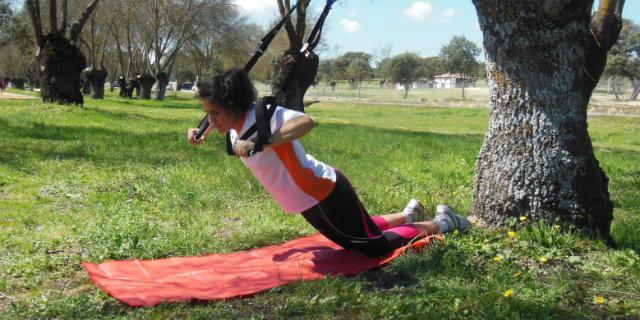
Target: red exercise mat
(240,274)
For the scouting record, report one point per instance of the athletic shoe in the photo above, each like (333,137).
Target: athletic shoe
(455,220)
(414,212)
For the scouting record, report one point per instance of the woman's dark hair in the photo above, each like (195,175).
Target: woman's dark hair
(232,89)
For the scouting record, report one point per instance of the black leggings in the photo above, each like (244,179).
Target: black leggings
(342,218)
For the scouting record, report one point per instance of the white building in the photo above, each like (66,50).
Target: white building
(453,80)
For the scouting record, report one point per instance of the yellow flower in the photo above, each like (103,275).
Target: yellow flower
(456,231)
(517,274)
(622,304)
(497,258)
(543,259)
(523,218)
(555,226)
(508,293)
(511,234)
(600,299)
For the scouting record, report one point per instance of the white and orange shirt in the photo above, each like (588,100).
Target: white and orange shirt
(296,180)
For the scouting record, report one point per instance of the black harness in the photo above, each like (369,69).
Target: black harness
(262,126)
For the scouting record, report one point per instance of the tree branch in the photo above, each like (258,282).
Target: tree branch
(288,25)
(605,26)
(53,16)
(607,22)
(76,28)
(65,12)
(33,6)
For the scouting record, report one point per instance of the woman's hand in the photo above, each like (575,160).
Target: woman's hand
(191,135)
(243,147)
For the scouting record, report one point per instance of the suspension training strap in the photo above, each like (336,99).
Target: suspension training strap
(262,47)
(314,36)
(262,125)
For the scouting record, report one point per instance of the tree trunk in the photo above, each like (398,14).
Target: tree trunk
(146,84)
(124,91)
(18,83)
(636,89)
(63,63)
(96,78)
(296,74)
(163,80)
(134,85)
(85,85)
(537,159)
(463,88)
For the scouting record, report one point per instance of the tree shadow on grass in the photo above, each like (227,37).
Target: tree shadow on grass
(25,146)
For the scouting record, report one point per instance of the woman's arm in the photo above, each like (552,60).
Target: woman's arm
(290,130)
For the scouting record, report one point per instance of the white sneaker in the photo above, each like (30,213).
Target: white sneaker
(455,221)
(414,212)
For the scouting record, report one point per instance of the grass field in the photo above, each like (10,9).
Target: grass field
(116,179)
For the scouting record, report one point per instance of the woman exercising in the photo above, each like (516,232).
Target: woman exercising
(300,183)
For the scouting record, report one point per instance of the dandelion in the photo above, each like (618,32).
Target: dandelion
(517,274)
(600,299)
(511,234)
(523,218)
(456,231)
(555,226)
(497,258)
(543,259)
(508,293)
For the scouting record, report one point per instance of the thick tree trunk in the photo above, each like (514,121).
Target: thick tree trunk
(63,63)
(296,74)
(134,85)
(146,84)
(163,80)
(124,89)
(85,85)
(18,83)
(537,159)
(96,77)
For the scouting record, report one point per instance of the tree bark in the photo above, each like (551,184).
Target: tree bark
(163,80)
(296,74)
(146,84)
(18,83)
(537,159)
(96,78)
(124,89)
(636,89)
(63,63)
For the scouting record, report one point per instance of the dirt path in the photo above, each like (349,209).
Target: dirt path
(14,96)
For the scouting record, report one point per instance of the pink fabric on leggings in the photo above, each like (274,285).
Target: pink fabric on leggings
(407,231)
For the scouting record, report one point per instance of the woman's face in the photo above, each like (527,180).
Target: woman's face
(220,117)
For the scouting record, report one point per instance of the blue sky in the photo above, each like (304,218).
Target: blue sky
(421,27)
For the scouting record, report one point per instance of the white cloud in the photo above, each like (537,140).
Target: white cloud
(448,13)
(419,11)
(251,6)
(350,26)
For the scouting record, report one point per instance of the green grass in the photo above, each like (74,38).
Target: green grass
(116,179)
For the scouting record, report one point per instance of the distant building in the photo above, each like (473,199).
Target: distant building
(453,80)
(420,83)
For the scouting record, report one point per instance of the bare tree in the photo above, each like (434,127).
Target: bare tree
(298,66)
(98,34)
(544,59)
(60,58)
(167,26)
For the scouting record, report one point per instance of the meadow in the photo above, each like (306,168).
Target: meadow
(116,179)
